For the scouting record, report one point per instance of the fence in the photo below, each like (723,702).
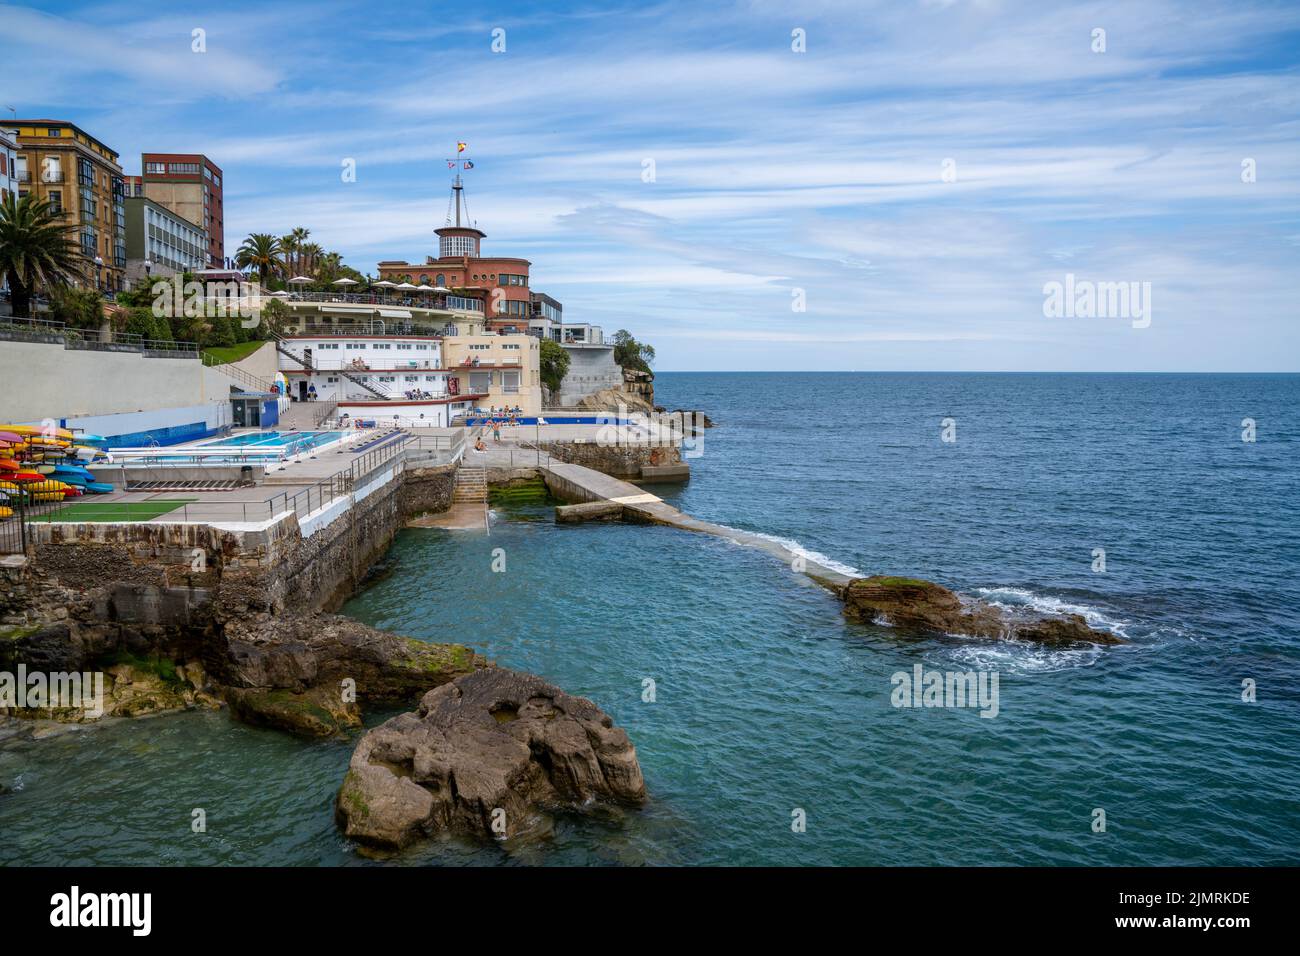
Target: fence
(103,340)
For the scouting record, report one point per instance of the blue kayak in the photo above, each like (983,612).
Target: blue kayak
(98,487)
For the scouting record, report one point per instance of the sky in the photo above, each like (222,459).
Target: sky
(841,185)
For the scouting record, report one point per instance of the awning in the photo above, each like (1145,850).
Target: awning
(367,309)
(395,313)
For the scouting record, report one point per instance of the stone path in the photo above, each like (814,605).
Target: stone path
(584,484)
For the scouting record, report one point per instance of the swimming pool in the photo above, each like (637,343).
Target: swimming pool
(277,441)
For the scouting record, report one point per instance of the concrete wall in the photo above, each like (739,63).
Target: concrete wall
(590,370)
(49,381)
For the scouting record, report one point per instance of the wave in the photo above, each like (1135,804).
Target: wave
(794,547)
(1009,598)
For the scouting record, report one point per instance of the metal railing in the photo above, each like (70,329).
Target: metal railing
(235,372)
(430,301)
(16,534)
(53,330)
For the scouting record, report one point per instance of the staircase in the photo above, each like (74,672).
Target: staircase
(471,485)
(283,349)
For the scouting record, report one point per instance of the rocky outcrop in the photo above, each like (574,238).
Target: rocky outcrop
(484,754)
(310,675)
(610,400)
(913,604)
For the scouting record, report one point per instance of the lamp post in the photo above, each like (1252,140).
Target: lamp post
(99,275)
(148,269)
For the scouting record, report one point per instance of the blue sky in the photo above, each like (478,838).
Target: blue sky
(775,170)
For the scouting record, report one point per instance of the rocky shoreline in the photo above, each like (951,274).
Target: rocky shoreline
(918,606)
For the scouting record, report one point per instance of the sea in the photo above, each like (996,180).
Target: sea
(1162,508)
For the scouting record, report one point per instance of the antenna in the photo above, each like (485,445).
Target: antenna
(458,186)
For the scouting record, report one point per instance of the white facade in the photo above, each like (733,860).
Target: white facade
(171,242)
(403,368)
(568,333)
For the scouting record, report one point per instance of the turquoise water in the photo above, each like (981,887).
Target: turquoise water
(277,439)
(768,701)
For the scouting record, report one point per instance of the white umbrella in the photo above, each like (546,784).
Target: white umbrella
(385,283)
(299,280)
(425,288)
(441,288)
(285,294)
(345,282)
(405,285)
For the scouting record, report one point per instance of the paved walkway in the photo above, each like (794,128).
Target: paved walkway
(647,507)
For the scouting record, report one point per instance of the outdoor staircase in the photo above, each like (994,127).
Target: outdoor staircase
(283,349)
(471,485)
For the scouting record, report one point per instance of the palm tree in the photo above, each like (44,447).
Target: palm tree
(311,253)
(37,249)
(289,248)
(263,252)
(299,237)
(331,264)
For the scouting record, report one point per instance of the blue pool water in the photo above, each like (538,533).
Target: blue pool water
(276,440)
(768,700)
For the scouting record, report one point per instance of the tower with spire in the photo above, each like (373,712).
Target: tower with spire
(459,237)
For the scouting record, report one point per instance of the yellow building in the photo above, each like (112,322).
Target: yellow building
(504,366)
(61,162)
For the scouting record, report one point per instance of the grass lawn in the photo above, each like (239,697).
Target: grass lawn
(114,511)
(233,353)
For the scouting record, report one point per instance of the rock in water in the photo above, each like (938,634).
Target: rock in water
(925,606)
(481,755)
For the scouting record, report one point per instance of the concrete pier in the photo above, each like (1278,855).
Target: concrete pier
(576,483)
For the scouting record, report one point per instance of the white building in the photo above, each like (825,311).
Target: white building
(380,377)
(160,242)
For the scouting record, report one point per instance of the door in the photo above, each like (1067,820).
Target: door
(302,390)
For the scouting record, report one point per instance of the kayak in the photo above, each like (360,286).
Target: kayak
(74,470)
(98,487)
(35,430)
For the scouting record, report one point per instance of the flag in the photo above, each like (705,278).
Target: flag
(451,164)
(460,147)
(469,164)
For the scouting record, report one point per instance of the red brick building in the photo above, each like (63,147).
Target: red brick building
(190,185)
(501,282)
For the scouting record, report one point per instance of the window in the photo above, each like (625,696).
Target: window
(441,279)
(155,168)
(183,169)
(56,200)
(54,131)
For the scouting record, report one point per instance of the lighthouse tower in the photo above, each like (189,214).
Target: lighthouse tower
(459,237)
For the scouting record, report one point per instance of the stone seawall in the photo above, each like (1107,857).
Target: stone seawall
(620,461)
(427,490)
(165,571)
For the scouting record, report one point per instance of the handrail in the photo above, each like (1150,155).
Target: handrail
(234,371)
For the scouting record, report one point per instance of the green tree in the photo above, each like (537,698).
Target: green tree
(78,308)
(552,364)
(629,353)
(262,252)
(38,250)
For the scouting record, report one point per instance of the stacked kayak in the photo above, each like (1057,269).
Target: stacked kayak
(47,464)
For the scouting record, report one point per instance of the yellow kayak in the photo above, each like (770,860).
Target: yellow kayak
(36,430)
